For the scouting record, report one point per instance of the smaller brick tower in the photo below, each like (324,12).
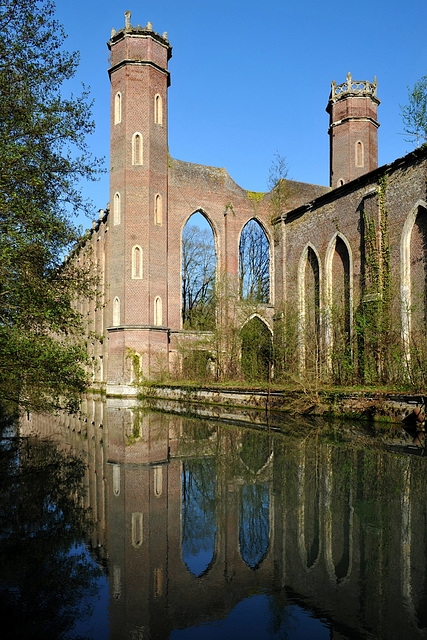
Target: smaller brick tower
(353,126)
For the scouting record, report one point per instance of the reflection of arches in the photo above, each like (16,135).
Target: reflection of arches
(339,298)
(158,109)
(198,263)
(309,309)
(158,480)
(116,312)
(158,311)
(198,516)
(338,516)
(413,261)
(254,523)
(136,529)
(137,148)
(136,262)
(118,108)
(309,500)
(257,349)
(116,479)
(254,262)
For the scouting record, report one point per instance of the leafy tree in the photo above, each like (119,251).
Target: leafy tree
(414,114)
(198,278)
(44,156)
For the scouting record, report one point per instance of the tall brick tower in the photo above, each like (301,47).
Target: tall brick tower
(138,224)
(353,127)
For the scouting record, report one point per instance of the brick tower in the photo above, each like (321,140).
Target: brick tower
(138,224)
(353,126)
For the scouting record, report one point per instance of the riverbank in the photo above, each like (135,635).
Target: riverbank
(367,405)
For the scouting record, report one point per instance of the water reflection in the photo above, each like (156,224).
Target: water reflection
(214,531)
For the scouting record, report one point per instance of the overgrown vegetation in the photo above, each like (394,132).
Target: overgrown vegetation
(44,156)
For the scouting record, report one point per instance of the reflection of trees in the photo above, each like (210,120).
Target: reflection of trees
(198,509)
(42,584)
(254,523)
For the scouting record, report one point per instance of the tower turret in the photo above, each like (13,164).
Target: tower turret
(353,127)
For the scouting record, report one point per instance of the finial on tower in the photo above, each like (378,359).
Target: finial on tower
(127,20)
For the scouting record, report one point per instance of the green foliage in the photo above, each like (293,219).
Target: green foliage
(414,114)
(43,155)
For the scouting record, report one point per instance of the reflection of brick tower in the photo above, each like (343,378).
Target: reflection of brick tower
(138,199)
(353,126)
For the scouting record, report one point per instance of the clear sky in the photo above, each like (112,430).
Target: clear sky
(252,78)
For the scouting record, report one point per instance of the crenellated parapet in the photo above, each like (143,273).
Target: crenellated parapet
(353,87)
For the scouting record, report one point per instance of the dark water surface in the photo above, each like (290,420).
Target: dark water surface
(138,525)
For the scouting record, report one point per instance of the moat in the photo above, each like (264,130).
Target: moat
(127,523)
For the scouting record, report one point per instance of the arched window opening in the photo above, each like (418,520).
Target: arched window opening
(254,263)
(118,108)
(198,274)
(198,514)
(359,152)
(158,212)
(116,312)
(257,350)
(309,312)
(158,312)
(116,209)
(340,513)
(414,293)
(339,312)
(136,262)
(158,109)
(340,182)
(137,148)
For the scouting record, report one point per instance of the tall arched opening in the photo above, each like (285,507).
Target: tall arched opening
(254,263)
(198,274)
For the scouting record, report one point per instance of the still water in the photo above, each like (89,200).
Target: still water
(126,523)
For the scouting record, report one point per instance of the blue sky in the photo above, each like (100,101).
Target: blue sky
(250,79)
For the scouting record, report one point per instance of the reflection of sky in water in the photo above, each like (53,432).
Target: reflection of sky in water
(254,523)
(95,624)
(198,515)
(253,618)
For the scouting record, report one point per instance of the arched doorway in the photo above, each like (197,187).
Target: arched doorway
(257,350)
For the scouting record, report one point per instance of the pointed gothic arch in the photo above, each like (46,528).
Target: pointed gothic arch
(255,262)
(118,108)
(413,274)
(137,148)
(309,310)
(198,272)
(158,109)
(338,302)
(256,348)
(116,312)
(137,262)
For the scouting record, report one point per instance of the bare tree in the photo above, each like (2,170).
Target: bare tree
(254,263)
(198,278)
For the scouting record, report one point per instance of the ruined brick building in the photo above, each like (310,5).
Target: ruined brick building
(348,246)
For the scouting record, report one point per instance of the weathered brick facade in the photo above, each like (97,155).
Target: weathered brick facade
(317,244)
